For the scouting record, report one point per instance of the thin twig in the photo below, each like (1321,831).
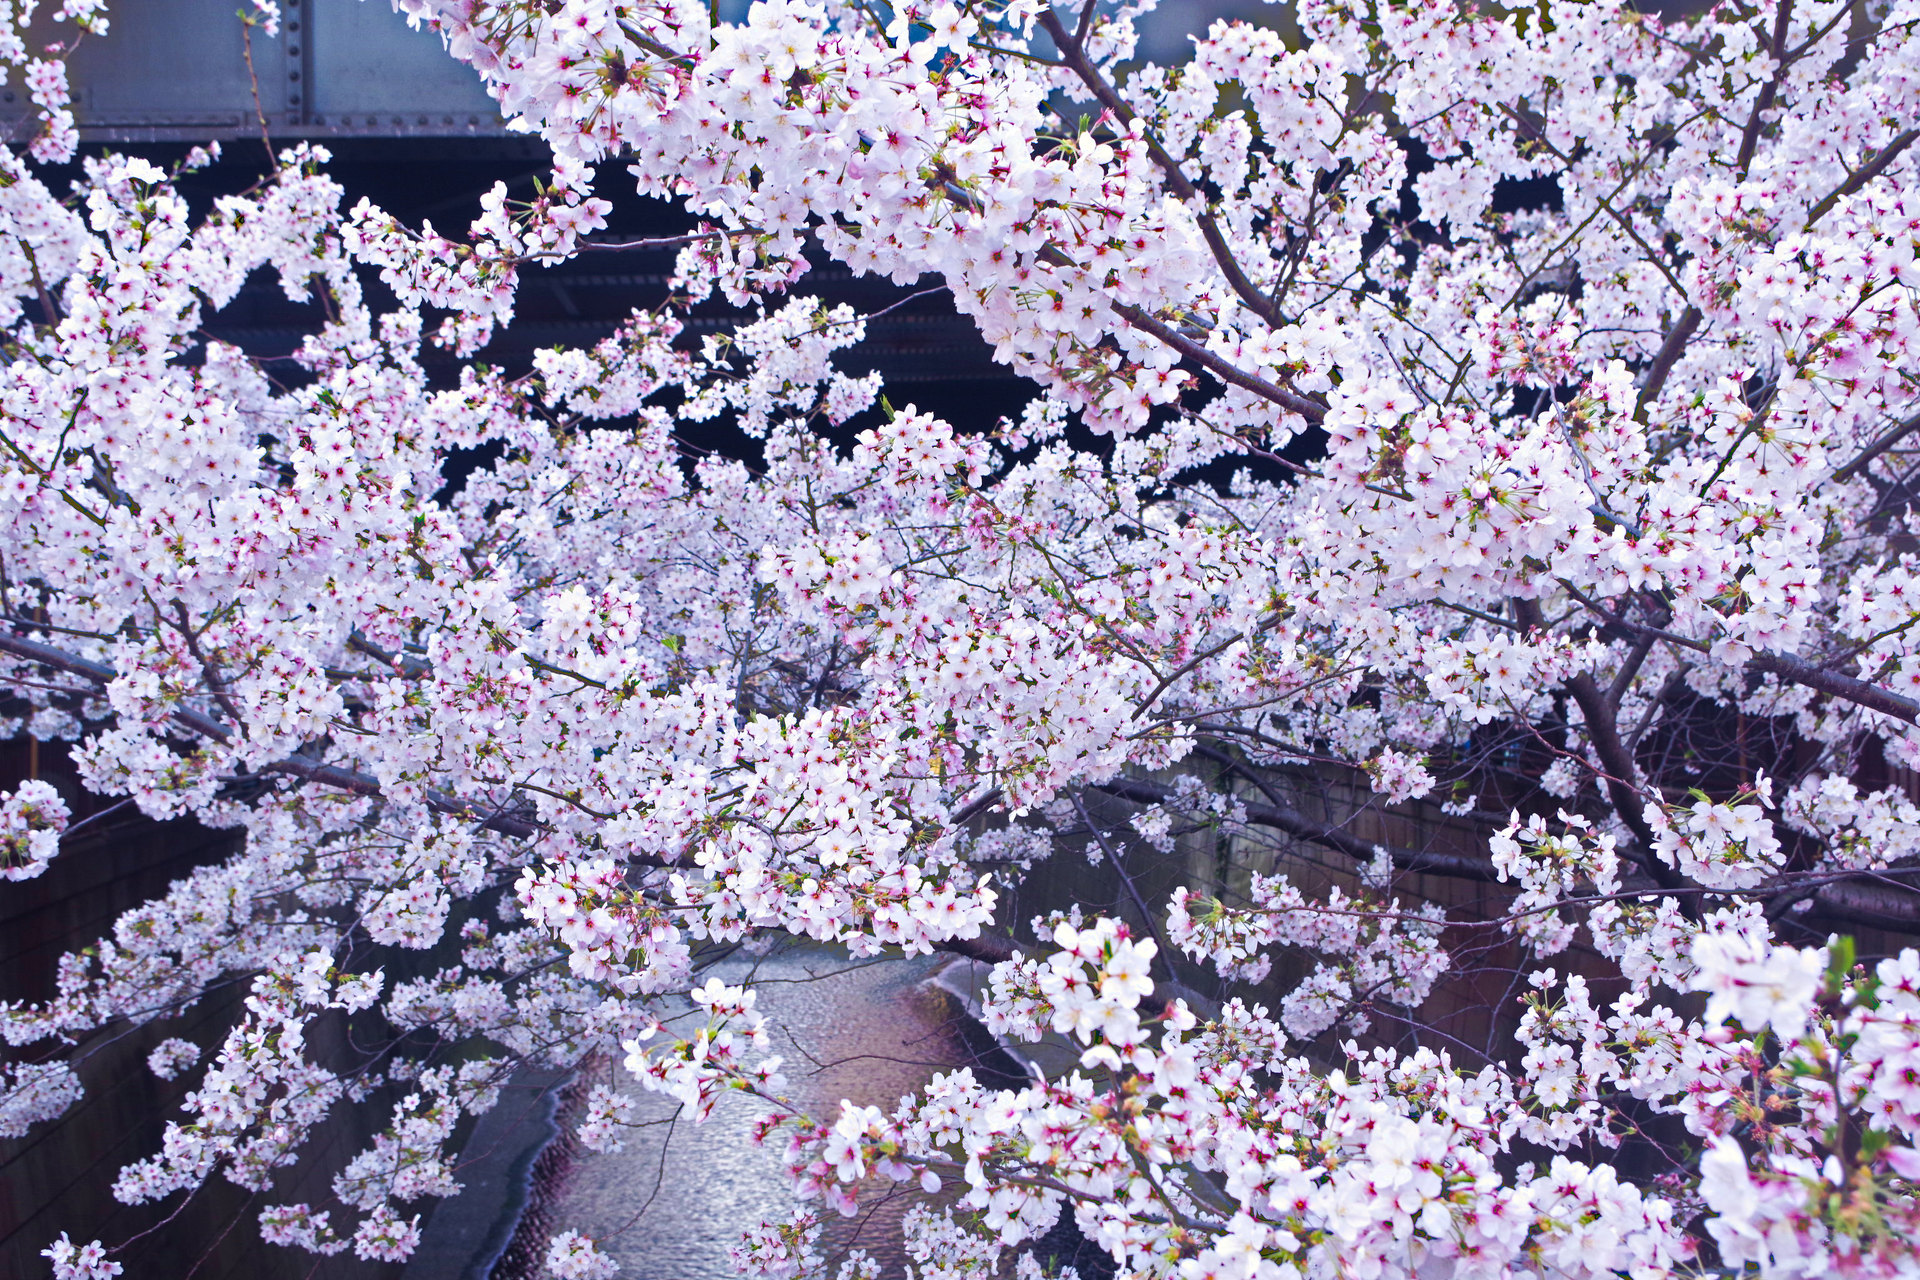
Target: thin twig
(253,81)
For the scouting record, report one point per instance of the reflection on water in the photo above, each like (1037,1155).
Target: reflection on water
(668,1206)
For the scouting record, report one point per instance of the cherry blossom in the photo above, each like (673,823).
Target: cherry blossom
(1502,429)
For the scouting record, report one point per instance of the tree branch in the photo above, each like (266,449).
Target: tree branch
(1846,688)
(1866,456)
(975,807)
(1622,779)
(1225,370)
(1798,670)
(1876,905)
(1862,176)
(1126,881)
(1750,136)
(1325,834)
(1668,356)
(1689,321)
(326,775)
(1074,54)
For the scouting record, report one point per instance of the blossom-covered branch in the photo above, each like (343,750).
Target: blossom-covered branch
(1507,443)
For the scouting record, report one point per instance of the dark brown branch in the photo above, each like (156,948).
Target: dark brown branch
(1073,53)
(975,807)
(1623,775)
(1668,356)
(407,665)
(1623,681)
(1325,834)
(1085,24)
(1876,905)
(654,47)
(1225,370)
(1783,59)
(987,948)
(1797,670)
(326,775)
(1689,321)
(1846,688)
(1863,175)
(1866,456)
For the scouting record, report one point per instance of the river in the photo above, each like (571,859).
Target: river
(668,1206)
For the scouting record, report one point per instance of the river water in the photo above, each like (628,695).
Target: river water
(668,1206)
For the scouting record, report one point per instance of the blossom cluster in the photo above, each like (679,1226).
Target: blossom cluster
(32,817)
(1365,949)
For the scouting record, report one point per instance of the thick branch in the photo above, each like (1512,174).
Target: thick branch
(1669,355)
(1325,834)
(987,948)
(1750,136)
(1852,904)
(1623,775)
(1226,370)
(1636,658)
(1689,321)
(1799,671)
(1846,688)
(1863,175)
(326,775)
(975,807)
(1866,456)
(1602,718)
(1074,54)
